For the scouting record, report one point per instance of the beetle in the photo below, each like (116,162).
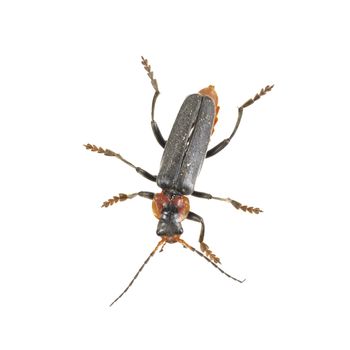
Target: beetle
(184,153)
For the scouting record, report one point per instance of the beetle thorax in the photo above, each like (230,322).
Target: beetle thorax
(170,209)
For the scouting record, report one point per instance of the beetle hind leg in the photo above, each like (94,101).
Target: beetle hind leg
(156,131)
(204,247)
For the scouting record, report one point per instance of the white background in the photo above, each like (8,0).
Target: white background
(70,74)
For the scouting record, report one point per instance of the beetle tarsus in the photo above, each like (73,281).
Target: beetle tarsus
(148,69)
(245,208)
(186,245)
(262,92)
(205,249)
(115,199)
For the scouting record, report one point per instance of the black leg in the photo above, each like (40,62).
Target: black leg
(109,153)
(204,247)
(195,217)
(123,197)
(158,135)
(220,146)
(236,204)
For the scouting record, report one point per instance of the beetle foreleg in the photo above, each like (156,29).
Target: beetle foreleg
(236,204)
(109,153)
(204,247)
(186,245)
(220,146)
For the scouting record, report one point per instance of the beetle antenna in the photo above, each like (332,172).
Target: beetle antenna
(186,245)
(162,241)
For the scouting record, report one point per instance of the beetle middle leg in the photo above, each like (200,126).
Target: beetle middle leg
(158,135)
(220,146)
(204,247)
(236,204)
(109,153)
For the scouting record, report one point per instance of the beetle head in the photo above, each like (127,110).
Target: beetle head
(170,209)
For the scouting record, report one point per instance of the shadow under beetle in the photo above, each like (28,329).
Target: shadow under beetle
(183,156)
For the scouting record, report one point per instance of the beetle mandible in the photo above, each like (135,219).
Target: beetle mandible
(183,156)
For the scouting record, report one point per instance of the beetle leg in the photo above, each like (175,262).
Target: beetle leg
(158,135)
(109,153)
(123,197)
(195,217)
(236,204)
(220,146)
(204,247)
(186,245)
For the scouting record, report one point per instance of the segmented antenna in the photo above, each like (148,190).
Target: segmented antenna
(161,242)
